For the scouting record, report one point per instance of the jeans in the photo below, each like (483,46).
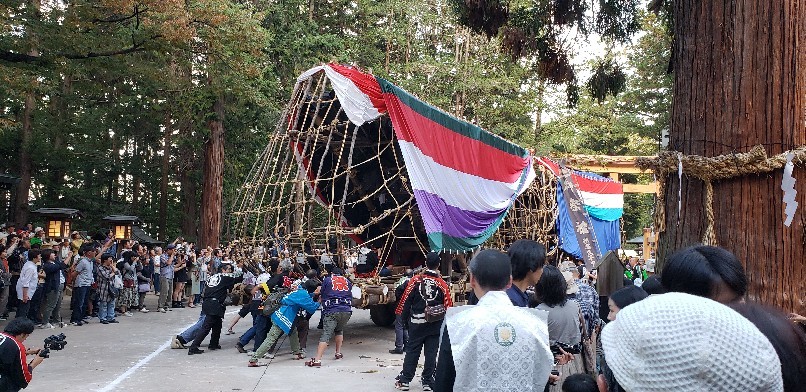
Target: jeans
(23,308)
(166,292)
(401,333)
(211,323)
(190,333)
(34,312)
(156,280)
(413,348)
(106,310)
(79,308)
(271,339)
(303,325)
(4,299)
(54,302)
(258,331)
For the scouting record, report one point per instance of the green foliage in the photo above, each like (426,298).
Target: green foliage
(112,78)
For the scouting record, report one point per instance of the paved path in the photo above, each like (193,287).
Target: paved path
(135,355)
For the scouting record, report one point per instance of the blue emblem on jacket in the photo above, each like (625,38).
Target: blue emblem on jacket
(291,304)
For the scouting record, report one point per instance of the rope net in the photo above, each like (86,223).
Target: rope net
(324,184)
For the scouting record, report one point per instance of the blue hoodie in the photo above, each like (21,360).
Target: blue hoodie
(291,304)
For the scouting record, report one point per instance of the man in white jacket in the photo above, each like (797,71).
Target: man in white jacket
(493,346)
(26,286)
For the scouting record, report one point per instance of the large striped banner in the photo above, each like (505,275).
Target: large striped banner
(465,179)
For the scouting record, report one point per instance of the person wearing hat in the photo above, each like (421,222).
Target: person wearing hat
(75,242)
(493,346)
(38,238)
(423,292)
(585,295)
(685,343)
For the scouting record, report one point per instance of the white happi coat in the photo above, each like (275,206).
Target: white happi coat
(498,346)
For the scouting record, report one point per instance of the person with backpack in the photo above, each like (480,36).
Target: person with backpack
(423,307)
(284,322)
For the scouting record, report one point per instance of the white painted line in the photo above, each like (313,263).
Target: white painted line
(109,387)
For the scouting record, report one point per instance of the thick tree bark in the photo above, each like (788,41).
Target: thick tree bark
(57,161)
(213,185)
(24,186)
(740,81)
(166,164)
(188,185)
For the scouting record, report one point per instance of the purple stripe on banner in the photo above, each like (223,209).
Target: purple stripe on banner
(440,217)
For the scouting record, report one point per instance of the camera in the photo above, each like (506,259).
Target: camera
(53,342)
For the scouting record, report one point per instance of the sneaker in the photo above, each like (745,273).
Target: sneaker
(48,326)
(76,324)
(3,317)
(40,325)
(403,386)
(176,343)
(239,347)
(427,387)
(113,321)
(87,318)
(144,310)
(104,322)
(257,364)
(194,351)
(128,314)
(162,310)
(268,356)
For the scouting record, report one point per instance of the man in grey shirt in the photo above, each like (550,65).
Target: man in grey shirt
(166,278)
(84,281)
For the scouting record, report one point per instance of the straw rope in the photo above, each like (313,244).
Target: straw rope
(709,169)
(330,153)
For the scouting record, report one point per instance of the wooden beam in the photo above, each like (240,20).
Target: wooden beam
(641,188)
(620,168)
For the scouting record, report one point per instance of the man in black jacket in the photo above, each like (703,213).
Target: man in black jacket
(54,285)
(424,290)
(215,292)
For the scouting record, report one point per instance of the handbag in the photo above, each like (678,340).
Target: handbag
(128,283)
(113,292)
(433,313)
(117,282)
(587,347)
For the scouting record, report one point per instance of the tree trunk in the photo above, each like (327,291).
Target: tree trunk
(166,162)
(740,77)
(24,186)
(188,184)
(213,186)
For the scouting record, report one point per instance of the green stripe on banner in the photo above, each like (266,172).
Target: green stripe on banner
(441,241)
(448,121)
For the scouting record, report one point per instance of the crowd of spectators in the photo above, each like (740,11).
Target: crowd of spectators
(686,329)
